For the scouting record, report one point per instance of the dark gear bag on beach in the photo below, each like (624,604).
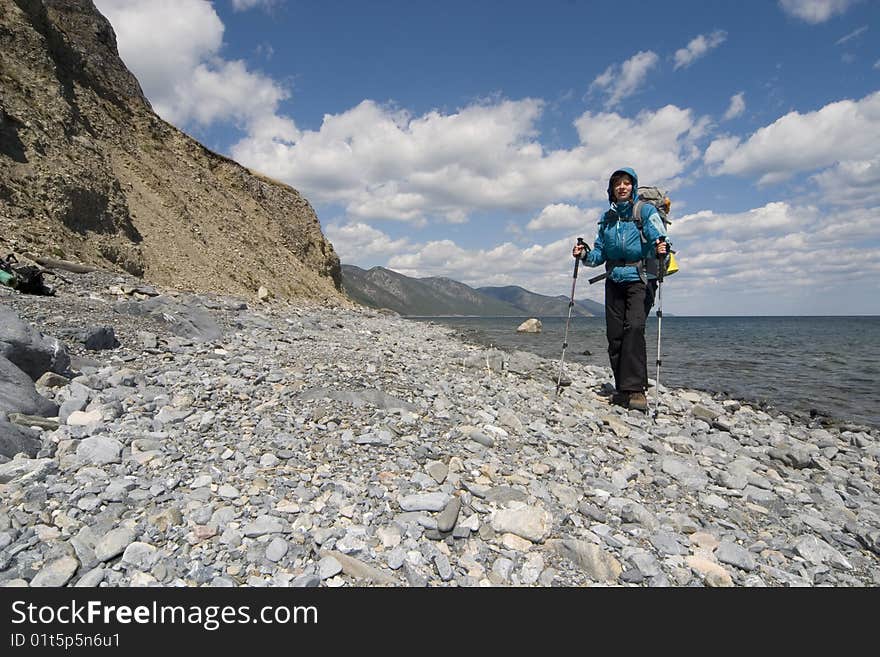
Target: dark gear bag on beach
(23,277)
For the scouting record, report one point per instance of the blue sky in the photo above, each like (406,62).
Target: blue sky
(474,139)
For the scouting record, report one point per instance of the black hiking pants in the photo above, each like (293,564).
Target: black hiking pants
(625,313)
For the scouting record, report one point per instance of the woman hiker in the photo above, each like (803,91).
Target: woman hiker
(621,246)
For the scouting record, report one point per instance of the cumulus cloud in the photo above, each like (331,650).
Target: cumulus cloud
(173,47)
(358,243)
(541,268)
(697,48)
(620,81)
(839,132)
(244,5)
(760,258)
(815,11)
(562,215)
(855,181)
(381,163)
(737,106)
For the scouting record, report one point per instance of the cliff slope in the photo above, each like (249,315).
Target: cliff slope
(89,172)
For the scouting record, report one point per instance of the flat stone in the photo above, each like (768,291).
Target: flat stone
(329,567)
(713,573)
(704,414)
(228,492)
(667,543)
(514,542)
(374,438)
(532,523)
(92,578)
(99,450)
(646,564)
(276,549)
(83,419)
(360,570)
(759,495)
(424,502)
(479,437)
(600,565)
(263,525)
(447,518)
(503,494)
(619,428)
(26,469)
(139,555)
(566,495)
(56,573)
(688,474)
(818,552)
(438,471)
(113,543)
(704,541)
(735,555)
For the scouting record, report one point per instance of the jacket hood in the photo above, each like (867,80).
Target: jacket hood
(632,174)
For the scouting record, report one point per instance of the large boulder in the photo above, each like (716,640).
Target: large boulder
(28,349)
(15,439)
(185,317)
(19,395)
(530,326)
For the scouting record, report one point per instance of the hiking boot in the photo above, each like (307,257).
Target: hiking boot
(638,401)
(620,398)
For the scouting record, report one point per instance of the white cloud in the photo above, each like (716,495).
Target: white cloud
(244,5)
(770,219)
(357,243)
(851,35)
(697,48)
(380,163)
(562,215)
(545,269)
(855,181)
(658,145)
(760,257)
(839,132)
(620,81)
(815,11)
(173,47)
(737,106)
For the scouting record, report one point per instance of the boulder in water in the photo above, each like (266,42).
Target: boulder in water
(530,326)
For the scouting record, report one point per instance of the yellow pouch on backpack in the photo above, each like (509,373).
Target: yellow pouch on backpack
(673,264)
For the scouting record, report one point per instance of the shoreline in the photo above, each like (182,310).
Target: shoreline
(311,446)
(815,416)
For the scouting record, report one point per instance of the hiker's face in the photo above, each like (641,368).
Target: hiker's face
(623,188)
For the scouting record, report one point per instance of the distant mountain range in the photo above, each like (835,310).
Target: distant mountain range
(436,296)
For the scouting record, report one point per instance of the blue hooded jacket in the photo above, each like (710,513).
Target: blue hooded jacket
(618,241)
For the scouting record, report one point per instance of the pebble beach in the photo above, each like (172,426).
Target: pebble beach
(174,439)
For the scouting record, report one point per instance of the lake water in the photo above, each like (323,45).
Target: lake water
(825,364)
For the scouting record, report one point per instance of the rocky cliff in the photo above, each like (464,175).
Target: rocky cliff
(89,172)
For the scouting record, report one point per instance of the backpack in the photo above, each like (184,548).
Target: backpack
(660,200)
(23,277)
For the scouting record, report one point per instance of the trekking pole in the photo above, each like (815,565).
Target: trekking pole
(659,330)
(577,261)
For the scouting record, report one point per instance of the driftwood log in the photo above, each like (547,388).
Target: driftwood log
(66,265)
